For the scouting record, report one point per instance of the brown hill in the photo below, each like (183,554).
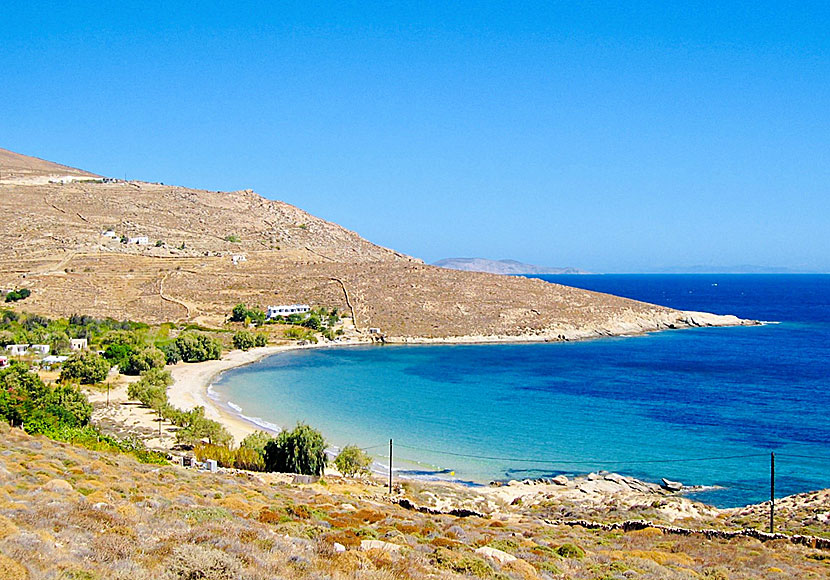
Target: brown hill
(51,241)
(17,167)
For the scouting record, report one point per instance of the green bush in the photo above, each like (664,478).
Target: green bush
(300,333)
(21,392)
(570,551)
(171,352)
(241,458)
(302,450)
(86,367)
(198,347)
(243,340)
(144,360)
(257,441)
(352,461)
(242,313)
(16,295)
(195,428)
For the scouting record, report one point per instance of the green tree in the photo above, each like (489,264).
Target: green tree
(144,360)
(302,450)
(171,353)
(257,441)
(86,367)
(21,391)
(198,347)
(196,427)
(352,460)
(244,340)
(239,313)
(68,404)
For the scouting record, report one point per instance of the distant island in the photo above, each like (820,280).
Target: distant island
(501,266)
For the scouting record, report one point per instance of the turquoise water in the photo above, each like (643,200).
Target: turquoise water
(703,406)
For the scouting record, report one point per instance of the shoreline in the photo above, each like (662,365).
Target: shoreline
(192,381)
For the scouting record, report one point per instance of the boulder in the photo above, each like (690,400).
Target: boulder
(560,480)
(58,486)
(671,485)
(366,545)
(339,548)
(498,555)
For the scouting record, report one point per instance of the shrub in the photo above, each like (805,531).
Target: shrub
(119,355)
(300,333)
(193,562)
(243,340)
(16,295)
(21,392)
(195,427)
(352,461)
(223,454)
(257,441)
(198,347)
(247,458)
(171,352)
(570,551)
(144,360)
(233,238)
(86,367)
(302,450)
(242,313)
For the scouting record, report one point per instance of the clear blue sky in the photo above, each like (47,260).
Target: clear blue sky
(607,137)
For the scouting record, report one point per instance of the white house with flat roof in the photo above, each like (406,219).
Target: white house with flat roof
(78,344)
(41,349)
(140,240)
(17,349)
(286,310)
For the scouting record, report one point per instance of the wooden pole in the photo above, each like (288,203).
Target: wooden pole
(390,467)
(772,493)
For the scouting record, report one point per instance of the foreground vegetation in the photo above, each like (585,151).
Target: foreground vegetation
(68,512)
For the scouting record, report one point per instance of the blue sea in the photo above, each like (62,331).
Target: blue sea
(701,406)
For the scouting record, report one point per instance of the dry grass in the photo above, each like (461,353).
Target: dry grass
(115,518)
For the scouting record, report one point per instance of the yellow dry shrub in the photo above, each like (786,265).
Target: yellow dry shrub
(522,569)
(9,569)
(98,496)
(647,533)
(656,556)
(382,558)
(239,505)
(127,510)
(351,561)
(7,527)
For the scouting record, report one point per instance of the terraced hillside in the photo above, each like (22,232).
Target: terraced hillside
(208,250)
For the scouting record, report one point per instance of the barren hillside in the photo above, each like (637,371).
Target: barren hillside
(208,250)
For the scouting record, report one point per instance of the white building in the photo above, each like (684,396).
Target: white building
(237,258)
(109,234)
(17,349)
(78,344)
(286,310)
(51,360)
(42,349)
(139,240)
(4,362)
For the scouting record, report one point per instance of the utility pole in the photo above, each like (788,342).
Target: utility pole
(390,467)
(772,493)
